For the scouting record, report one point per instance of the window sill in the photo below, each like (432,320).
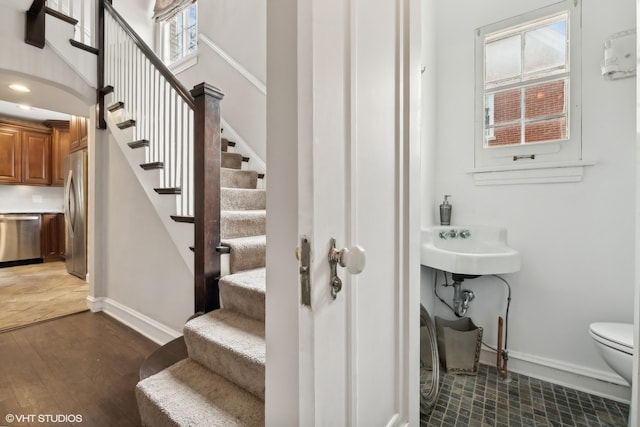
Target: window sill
(542,173)
(185,63)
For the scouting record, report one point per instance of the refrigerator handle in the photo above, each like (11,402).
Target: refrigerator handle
(68,210)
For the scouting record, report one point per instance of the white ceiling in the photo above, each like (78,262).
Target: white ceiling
(42,97)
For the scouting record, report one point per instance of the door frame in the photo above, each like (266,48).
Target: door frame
(634,415)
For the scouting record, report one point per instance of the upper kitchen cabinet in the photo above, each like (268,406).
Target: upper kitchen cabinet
(33,153)
(60,147)
(36,158)
(10,155)
(79,133)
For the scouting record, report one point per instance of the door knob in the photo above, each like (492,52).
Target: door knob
(354,259)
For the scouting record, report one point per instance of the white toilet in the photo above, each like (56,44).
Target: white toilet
(615,344)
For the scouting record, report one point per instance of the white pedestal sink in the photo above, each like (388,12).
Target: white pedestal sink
(472,250)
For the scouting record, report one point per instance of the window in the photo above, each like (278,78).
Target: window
(180,34)
(527,89)
(526,78)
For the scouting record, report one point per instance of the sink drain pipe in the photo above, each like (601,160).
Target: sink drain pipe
(461,304)
(461,297)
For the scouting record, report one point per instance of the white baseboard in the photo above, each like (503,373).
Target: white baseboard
(155,331)
(592,381)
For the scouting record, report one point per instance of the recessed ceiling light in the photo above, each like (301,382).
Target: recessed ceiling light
(24,107)
(19,88)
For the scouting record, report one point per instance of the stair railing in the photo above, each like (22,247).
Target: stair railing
(158,103)
(182,130)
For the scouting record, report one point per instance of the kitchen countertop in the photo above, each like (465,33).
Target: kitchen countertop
(12,212)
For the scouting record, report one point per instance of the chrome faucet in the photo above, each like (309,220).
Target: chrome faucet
(453,233)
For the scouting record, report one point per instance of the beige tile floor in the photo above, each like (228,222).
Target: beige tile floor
(37,292)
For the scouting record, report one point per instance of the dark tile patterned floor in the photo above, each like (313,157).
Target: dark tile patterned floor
(484,400)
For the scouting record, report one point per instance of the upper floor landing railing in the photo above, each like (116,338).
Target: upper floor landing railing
(83,11)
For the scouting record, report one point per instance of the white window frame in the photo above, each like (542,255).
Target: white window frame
(540,162)
(185,61)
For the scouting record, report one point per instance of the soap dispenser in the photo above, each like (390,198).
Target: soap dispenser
(445,211)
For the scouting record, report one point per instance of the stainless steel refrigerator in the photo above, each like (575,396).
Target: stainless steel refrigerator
(75,212)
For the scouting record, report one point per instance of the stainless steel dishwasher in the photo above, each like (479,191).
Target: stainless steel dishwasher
(19,237)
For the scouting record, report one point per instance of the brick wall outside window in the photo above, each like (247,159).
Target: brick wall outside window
(542,102)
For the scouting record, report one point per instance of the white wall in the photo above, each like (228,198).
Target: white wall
(576,239)
(428,136)
(238,30)
(140,272)
(283,406)
(138,14)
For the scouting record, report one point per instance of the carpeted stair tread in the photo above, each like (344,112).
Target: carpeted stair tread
(244,293)
(242,223)
(231,160)
(224,144)
(246,253)
(236,178)
(231,345)
(188,394)
(236,199)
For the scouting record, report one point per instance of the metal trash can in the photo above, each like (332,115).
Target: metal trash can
(459,343)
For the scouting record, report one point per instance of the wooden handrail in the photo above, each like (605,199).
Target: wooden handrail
(61,16)
(151,56)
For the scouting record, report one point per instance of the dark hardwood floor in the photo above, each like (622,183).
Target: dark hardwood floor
(84,365)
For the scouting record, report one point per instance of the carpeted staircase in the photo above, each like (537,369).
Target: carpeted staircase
(221,383)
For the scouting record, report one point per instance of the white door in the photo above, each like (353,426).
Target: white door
(355,122)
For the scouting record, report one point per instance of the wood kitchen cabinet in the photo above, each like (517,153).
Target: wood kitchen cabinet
(10,155)
(79,133)
(33,153)
(36,158)
(60,147)
(52,236)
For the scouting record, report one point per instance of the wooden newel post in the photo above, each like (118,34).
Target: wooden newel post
(206,195)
